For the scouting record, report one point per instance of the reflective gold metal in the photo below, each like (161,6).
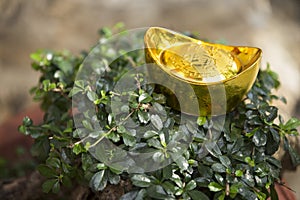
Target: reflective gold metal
(207,67)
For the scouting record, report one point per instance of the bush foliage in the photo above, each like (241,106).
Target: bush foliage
(240,166)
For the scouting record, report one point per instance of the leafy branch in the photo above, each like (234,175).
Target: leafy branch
(240,164)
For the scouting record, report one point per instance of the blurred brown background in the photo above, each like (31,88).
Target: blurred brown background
(25,26)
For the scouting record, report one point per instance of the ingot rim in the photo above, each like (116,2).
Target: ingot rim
(255,59)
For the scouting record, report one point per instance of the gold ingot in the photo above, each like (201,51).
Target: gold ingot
(214,71)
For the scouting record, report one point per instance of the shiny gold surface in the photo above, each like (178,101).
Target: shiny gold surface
(203,63)
(208,68)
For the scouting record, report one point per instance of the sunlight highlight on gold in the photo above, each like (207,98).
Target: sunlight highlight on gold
(207,67)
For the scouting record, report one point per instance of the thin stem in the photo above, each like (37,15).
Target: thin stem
(104,135)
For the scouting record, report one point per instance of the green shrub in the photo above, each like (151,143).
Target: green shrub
(240,166)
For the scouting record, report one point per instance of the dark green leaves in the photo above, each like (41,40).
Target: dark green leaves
(292,123)
(128,140)
(145,98)
(223,160)
(99,181)
(157,192)
(259,138)
(78,148)
(182,163)
(150,134)
(215,187)
(290,127)
(92,96)
(292,152)
(46,171)
(191,185)
(141,180)
(51,184)
(197,195)
(27,121)
(157,122)
(144,117)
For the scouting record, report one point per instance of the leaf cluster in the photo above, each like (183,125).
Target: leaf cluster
(239,164)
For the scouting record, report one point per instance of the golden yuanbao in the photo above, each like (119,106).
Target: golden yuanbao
(220,75)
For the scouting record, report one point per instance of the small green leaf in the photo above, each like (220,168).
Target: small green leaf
(150,134)
(48,86)
(56,187)
(205,171)
(101,166)
(98,181)
(54,162)
(158,156)
(191,185)
(248,178)
(275,135)
(219,178)
(234,190)
(144,117)
(37,56)
(274,161)
(259,138)
(74,91)
(145,98)
(128,140)
(220,195)
(169,187)
(239,173)
(292,123)
(201,121)
(92,96)
(157,192)
(153,142)
(23,129)
(78,148)
(80,84)
(41,147)
(162,140)
(86,146)
(66,181)
(197,195)
(87,125)
(157,122)
(141,180)
(106,32)
(218,167)
(129,195)
(167,172)
(260,195)
(131,132)
(247,193)
(182,163)
(273,193)
(179,191)
(27,121)
(46,171)
(113,178)
(215,187)
(87,161)
(52,127)
(159,98)
(295,157)
(213,148)
(48,185)
(225,161)
(250,161)
(121,129)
